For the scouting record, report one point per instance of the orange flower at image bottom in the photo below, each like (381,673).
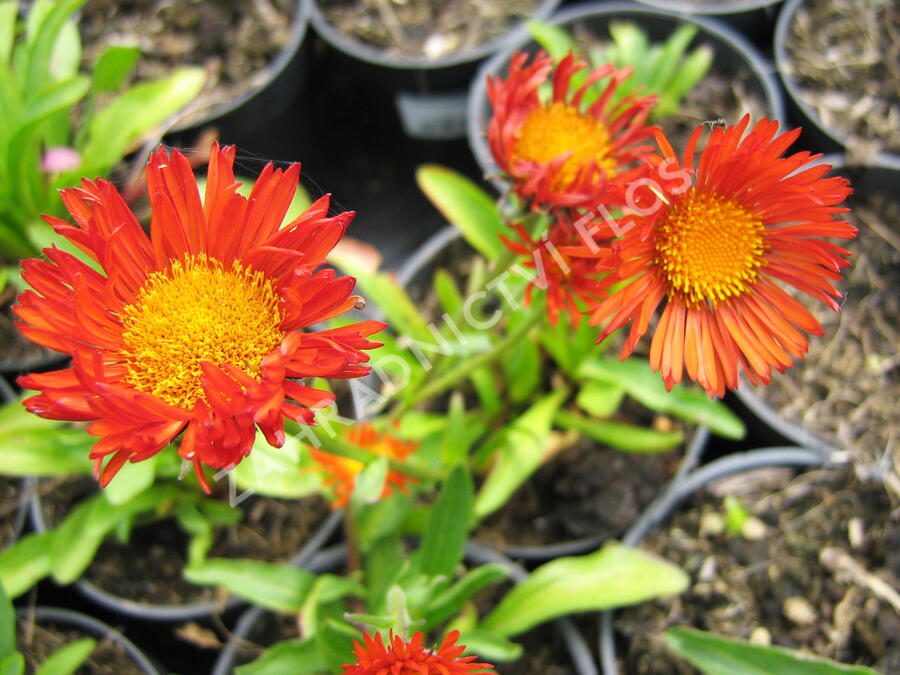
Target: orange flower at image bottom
(340,472)
(725,233)
(197,328)
(400,657)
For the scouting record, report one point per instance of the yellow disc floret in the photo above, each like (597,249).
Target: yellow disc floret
(553,130)
(709,247)
(195,311)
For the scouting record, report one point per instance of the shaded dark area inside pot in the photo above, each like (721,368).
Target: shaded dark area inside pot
(38,640)
(10,501)
(790,582)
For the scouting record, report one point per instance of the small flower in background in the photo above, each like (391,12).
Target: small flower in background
(196,328)
(563,266)
(565,152)
(60,160)
(714,249)
(340,472)
(400,657)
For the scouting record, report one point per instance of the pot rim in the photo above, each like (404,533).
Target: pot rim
(721,9)
(95,627)
(274,68)
(792,87)
(762,69)
(375,56)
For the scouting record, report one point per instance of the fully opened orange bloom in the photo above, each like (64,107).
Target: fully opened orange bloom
(565,152)
(197,328)
(723,233)
(341,472)
(400,657)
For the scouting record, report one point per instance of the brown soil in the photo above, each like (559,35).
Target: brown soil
(805,580)
(38,641)
(149,568)
(233,40)
(10,494)
(434,29)
(847,387)
(844,56)
(584,491)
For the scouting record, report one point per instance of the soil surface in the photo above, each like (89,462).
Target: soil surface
(149,568)
(586,490)
(434,29)
(38,641)
(844,56)
(10,494)
(846,389)
(233,40)
(809,575)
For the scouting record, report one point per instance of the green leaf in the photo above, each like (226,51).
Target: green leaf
(8,12)
(279,587)
(132,479)
(448,293)
(520,448)
(45,450)
(113,66)
(134,113)
(600,399)
(522,369)
(7,625)
(716,655)
(287,471)
(291,657)
(25,563)
(14,664)
(37,65)
(614,576)
(486,387)
(692,69)
(450,601)
(454,441)
(621,436)
(445,536)
(693,405)
(555,40)
(369,484)
(489,647)
(67,659)
(465,205)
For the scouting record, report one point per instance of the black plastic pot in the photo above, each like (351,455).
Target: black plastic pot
(731,51)
(429,95)
(668,501)
(187,611)
(816,135)
(92,628)
(882,176)
(753,18)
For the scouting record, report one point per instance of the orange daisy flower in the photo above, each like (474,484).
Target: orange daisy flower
(564,153)
(400,657)
(723,232)
(197,328)
(564,266)
(341,472)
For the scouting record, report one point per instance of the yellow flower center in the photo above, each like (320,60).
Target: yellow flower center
(553,130)
(196,311)
(709,247)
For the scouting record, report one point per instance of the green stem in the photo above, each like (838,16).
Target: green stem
(337,446)
(471,364)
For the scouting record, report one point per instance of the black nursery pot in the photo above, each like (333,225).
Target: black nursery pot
(816,134)
(90,627)
(429,95)
(753,18)
(879,177)
(732,51)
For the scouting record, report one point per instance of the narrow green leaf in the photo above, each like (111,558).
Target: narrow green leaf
(448,293)
(68,658)
(14,664)
(554,39)
(716,655)
(522,368)
(287,471)
(369,484)
(47,450)
(520,449)
(671,55)
(37,66)
(132,479)
(693,405)
(8,13)
(290,657)
(7,624)
(621,436)
(279,587)
(693,69)
(614,576)
(466,206)
(450,601)
(448,527)
(25,563)
(113,66)
(600,399)
(490,647)
(486,388)
(455,442)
